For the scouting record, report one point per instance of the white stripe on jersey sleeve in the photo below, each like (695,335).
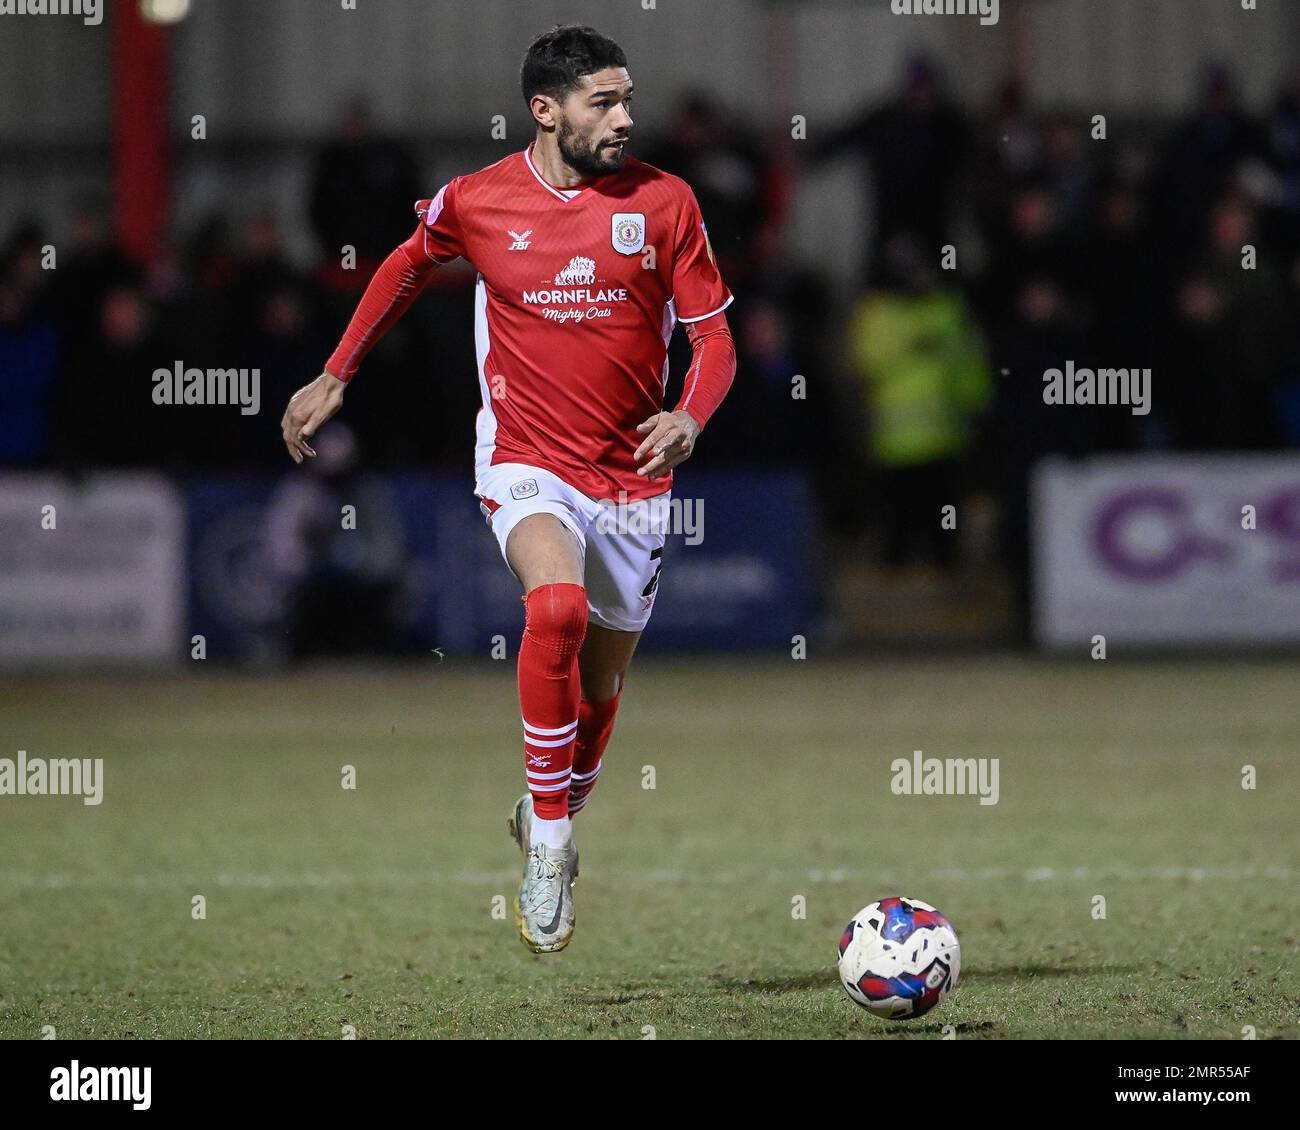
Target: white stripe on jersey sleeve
(700,317)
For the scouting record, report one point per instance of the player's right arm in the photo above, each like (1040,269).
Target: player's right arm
(399,279)
(393,288)
(308,409)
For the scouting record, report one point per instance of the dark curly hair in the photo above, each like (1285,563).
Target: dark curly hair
(558,58)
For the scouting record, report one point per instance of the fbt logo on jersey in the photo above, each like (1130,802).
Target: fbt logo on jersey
(575,295)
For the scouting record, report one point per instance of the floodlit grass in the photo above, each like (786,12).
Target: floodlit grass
(375,908)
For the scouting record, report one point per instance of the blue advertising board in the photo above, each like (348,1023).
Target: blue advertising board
(411,557)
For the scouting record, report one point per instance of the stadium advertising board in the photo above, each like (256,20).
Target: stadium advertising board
(1168,550)
(91,571)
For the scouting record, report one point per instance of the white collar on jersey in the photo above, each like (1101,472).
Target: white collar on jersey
(565,194)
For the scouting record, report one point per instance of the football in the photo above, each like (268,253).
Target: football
(899,958)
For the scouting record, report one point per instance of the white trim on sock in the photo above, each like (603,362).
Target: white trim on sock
(552,833)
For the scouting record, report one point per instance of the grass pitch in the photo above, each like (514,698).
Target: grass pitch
(384,910)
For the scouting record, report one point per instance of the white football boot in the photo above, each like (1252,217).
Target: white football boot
(544,910)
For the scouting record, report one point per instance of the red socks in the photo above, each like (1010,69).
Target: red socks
(549,692)
(564,734)
(595,724)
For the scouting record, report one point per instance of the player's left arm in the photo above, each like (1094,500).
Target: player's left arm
(701,297)
(671,436)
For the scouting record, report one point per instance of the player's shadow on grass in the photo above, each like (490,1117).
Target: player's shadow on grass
(1025,972)
(826,978)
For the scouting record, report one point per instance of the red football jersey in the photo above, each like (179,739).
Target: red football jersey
(576,300)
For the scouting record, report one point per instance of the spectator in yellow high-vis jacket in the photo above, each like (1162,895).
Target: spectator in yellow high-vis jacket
(924,377)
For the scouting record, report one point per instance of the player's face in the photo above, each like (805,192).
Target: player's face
(594,122)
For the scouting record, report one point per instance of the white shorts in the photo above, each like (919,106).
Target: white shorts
(622,549)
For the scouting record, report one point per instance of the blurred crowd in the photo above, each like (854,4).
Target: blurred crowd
(920,384)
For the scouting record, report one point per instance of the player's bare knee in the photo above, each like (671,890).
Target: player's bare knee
(601,683)
(602,687)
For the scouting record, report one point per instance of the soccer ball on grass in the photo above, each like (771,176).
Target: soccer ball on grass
(899,958)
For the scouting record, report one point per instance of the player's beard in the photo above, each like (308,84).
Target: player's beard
(584,155)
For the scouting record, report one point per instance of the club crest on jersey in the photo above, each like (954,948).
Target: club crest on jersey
(524,489)
(627,232)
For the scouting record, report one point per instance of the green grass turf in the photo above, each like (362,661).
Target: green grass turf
(373,907)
